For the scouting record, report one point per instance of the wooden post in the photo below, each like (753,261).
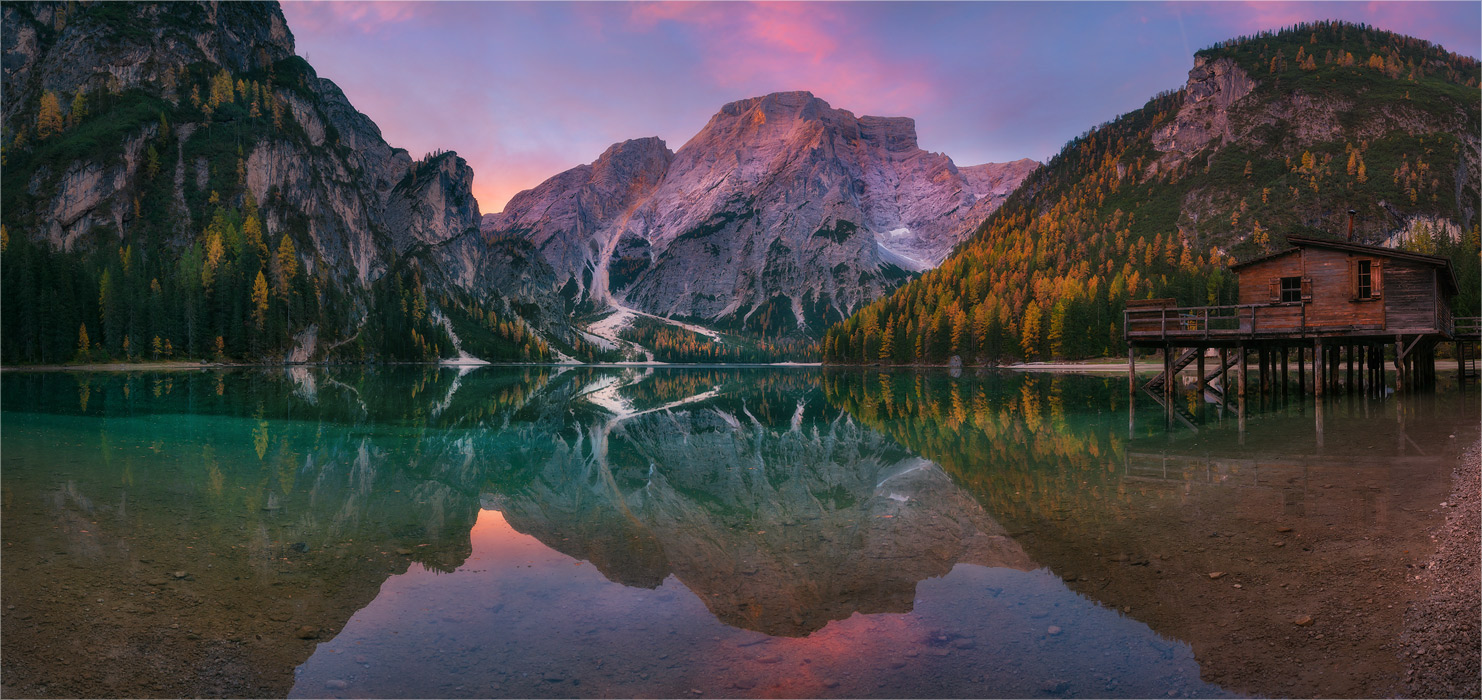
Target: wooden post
(1262,376)
(1168,372)
(1338,368)
(1349,348)
(1240,377)
(1283,373)
(1319,425)
(1399,363)
(1302,370)
(1199,367)
(1381,378)
(1376,367)
(1224,376)
(1131,371)
(1318,356)
(1240,373)
(1363,363)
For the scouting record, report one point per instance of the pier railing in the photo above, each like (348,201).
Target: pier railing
(1157,322)
(1467,327)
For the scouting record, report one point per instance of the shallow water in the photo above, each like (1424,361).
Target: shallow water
(544,532)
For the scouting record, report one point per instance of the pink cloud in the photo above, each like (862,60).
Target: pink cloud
(365,17)
(769,46)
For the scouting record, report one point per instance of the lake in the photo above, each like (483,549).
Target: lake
(704,532)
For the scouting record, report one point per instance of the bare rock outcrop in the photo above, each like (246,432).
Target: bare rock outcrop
(781,208)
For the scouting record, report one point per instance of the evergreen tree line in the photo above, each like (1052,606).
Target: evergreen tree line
(671,343)
(200,281)
(1049,274)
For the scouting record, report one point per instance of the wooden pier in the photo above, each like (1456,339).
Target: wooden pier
(1335,307)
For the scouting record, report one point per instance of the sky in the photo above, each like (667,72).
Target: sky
(523,91)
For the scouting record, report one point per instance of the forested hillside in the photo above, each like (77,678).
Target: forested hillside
(1275,134)
(178,184)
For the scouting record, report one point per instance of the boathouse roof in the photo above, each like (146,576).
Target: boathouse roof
(1300,242)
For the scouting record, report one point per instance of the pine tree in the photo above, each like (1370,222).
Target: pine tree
(1029,340)
(252,232)
(83,344)
(259,299)
(79,109)
(222,90)
(49,119)
(151,162)
(287,265)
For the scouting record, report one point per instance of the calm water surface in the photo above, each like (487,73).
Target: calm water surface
(670,532)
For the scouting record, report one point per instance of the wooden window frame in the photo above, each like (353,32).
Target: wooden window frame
(1291,289)
(1376,279)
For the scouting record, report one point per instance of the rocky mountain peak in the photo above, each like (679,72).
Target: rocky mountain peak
(632,163)
(782,213)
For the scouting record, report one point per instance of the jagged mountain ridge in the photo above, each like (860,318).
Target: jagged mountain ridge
(1273,134)
(781,205)
(219,199)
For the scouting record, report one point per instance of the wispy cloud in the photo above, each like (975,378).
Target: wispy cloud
(524,90)
(364,17)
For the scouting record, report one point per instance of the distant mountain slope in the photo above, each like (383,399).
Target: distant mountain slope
(782,215)
(1273,134)
(178,183)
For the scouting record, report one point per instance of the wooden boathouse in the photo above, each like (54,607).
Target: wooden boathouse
(1321,302)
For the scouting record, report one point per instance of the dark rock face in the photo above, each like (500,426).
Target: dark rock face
(322,173)
(134,45)
(783,214)
(781,202)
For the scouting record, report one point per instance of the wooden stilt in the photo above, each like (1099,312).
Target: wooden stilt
(1224,376)
(1240,377)
(1168,373)
(1240,373)
(1349,351)
(1263,375)
(1283,373)
(1199,367)
(1318,374)
(1338,368)
(1399,363)
(1301,370)
(1131,371)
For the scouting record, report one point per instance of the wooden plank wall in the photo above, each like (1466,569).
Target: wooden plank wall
(1254,280)
(1410,292)
(1407,291)
(1332,290)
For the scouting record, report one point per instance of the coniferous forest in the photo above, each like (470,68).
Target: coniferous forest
(1113,218)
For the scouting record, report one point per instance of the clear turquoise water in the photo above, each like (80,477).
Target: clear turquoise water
(543,532)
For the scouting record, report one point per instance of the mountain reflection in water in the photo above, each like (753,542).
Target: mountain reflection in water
(588,531)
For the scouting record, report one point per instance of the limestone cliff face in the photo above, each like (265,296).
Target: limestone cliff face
(566,217)
(320,170)
(1223,105)
(781,205)
(1213,88)
(138,45)
(433,203)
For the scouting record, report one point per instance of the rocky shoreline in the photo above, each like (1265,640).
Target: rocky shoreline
(1442,643)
